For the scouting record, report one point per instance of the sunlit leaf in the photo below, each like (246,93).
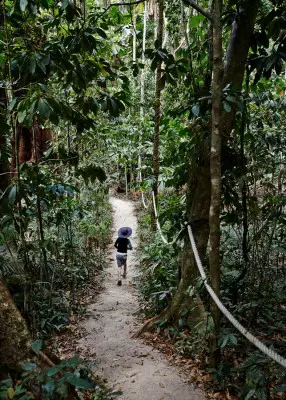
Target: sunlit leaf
(37,345)
(12,195)
(23,5)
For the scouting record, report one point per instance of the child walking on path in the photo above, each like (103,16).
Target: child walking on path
(122,244)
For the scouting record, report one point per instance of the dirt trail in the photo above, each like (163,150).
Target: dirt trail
(137,369)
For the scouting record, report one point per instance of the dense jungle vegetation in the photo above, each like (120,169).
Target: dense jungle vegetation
(182,98)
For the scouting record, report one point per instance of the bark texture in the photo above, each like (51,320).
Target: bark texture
(215,173)
(43,139)
(236,56)
(157,107)
(4,167)
(15,339)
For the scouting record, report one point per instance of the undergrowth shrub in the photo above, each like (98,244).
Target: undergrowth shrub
(77,230)
(158,269)
(71,379)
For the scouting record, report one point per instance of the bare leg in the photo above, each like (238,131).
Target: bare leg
(119,276)
(124,269)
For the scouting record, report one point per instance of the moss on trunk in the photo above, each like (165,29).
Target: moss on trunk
(15,338)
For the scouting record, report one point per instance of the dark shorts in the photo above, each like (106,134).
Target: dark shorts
(121,259)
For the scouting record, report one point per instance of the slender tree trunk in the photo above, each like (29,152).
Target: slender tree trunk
(184,26)
(126,179)
(4,166)
(142,82)
(39,208)
(215,173)
(243,172)
(142,87)
(157,106)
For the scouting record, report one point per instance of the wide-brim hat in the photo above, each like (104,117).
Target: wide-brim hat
(124,232)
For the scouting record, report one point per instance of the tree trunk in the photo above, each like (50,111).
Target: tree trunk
(215,173)
(236,57)
(15,339)
(157,106)
(243,173)
(142,87)
(198,205)
(25,138)
(4,166)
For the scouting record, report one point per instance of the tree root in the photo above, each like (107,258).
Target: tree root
(46,359)
(72,393)
(151,323)
(179,302)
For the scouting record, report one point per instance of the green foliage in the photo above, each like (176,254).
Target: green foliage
(68,224)
(223,373)
(158,262)
(69,70)
(9,390)
(55,382)
(158,266)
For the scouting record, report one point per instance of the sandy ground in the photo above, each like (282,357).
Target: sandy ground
(127,364)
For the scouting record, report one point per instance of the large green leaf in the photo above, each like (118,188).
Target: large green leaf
(32,64)
(12,195)
(91,172)
(196,110)
(22,116)
(49,387)
(37,346)
(23,5)
(30,366)
(30,115)
(12,104)
(44,108)
(79,382)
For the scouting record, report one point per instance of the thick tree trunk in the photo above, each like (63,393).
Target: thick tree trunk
(198,205)
(25,139)
(236,57)
(15,339)
(215,173)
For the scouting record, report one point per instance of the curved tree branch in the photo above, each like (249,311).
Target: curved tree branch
(200,9)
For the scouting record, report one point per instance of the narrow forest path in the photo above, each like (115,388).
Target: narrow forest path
(137,369)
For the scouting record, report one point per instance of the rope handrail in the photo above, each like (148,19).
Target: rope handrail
(140,180)
(249,336)
(256,342)
(159,226)
(143,200)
